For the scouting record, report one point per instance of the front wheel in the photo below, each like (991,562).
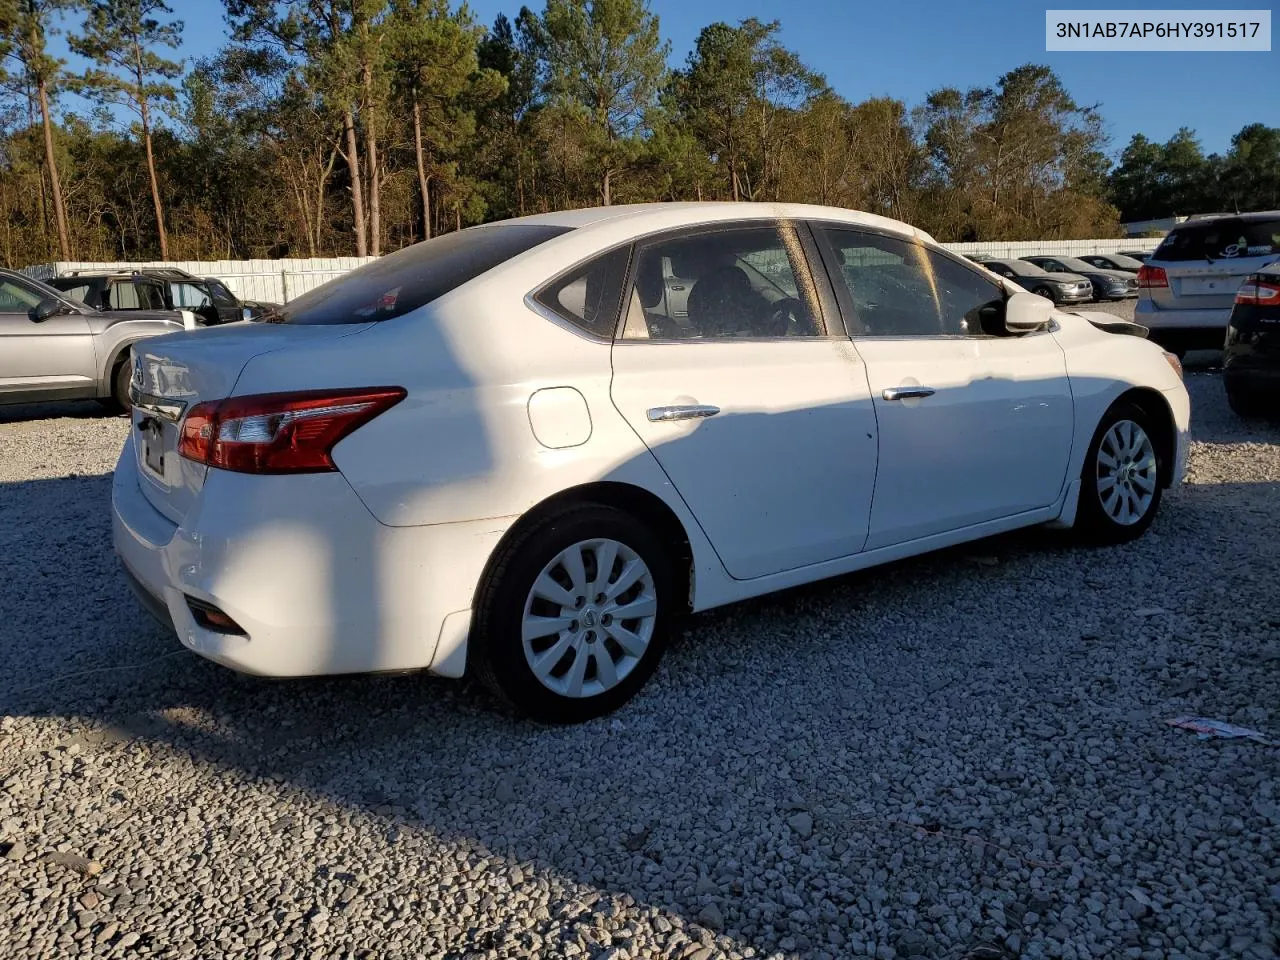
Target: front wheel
(1043,292)
(574,615)
(1120,482)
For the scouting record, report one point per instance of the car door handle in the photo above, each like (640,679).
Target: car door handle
(677,286)
(693,411)
(907,393)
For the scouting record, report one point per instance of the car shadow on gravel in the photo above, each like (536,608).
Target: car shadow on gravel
(54,409)
(932,709)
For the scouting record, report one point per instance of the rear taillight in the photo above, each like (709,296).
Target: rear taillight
(279,432)
(1259,292)
(1152,277)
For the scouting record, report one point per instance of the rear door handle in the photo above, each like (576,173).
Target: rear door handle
(907,393)
(692,411)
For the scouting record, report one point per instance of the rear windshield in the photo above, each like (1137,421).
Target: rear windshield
(1224,239)
(76,289)
(407,279)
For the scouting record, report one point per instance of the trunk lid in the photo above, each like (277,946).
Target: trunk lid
(171,374)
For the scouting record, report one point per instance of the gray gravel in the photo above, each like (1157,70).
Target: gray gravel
(960,756)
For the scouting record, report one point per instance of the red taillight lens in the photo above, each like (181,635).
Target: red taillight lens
(1152,277)
(1259,293)
(279,432)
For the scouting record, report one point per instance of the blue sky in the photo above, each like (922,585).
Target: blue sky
(905,50)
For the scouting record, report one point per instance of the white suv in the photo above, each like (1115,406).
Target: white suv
(1186,289)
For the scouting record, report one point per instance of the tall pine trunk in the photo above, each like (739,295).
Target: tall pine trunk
(357,189)
(51,161)
(155,183)
(371,162)
(424,183)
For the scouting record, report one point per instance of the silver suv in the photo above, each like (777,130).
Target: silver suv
(53,347)
(1186,289)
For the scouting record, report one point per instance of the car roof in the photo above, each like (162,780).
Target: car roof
(1200,219)
(650,217)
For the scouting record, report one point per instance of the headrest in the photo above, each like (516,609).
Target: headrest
(649,280)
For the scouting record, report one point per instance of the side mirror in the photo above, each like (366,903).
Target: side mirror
(1026,313)
(45,309)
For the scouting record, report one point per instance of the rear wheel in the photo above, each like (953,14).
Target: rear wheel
(574,615)
(1120,482)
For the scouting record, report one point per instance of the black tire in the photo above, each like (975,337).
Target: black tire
(1096,519)
(496,650)
(118,401)
(1243,404)
(1044,292)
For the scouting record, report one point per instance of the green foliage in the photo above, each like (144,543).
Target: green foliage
(266,147)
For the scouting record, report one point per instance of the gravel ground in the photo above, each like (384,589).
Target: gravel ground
(959,756)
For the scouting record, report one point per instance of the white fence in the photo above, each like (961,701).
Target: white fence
(1053,248)
(272,280)
(282,280)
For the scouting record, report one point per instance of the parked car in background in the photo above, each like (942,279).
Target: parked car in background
(209,297)
(1107,284)
(1142,256)
(160,288)
(1251,355)
(508,451)
(1113,261)
(113,290)
(1061,288)
(977,257)
(56,347)
(1188,287)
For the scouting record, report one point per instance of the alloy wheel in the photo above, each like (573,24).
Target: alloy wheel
(589,618)
(1126,473)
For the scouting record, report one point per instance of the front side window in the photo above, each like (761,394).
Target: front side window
(189,296)
(15,298)
(221,295)
(745,282)
(899,288)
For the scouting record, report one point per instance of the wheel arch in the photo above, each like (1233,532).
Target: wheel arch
(1153,403)
(640,503)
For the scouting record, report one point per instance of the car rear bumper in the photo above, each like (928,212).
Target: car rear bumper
(1153,318)
(316,583)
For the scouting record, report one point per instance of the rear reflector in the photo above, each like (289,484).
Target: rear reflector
(279,432)
(211,618)
(1259,293)
(1152,277)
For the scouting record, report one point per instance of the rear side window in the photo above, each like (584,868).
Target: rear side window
(1225,239)
(123,296)
(407,279)
(589,296)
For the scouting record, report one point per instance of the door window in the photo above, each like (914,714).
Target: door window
(123,296)
(222,296)
(189,296)
(899,288)
(746,282)
(15,298)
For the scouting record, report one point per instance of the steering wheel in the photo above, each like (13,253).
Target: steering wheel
(781,318)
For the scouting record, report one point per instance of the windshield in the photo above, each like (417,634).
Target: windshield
(1125,263)
(409,278)
(1227,239)
(71,288)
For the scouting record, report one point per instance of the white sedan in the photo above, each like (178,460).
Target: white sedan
(526,448)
